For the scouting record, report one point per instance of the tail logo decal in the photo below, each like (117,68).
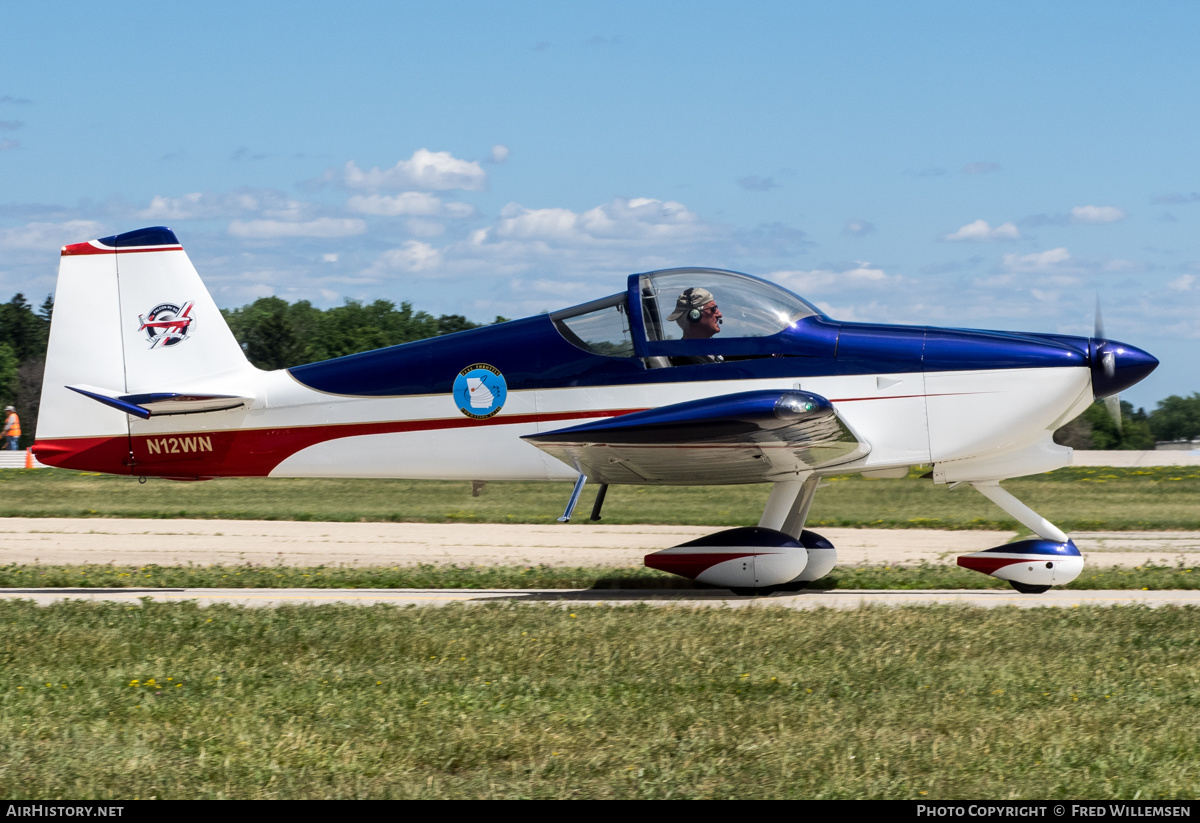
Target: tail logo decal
(167,324)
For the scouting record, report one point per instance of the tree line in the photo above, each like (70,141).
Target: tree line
(23,335)
(276,334)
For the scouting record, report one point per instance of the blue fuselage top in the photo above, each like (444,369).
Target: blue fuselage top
(531,354)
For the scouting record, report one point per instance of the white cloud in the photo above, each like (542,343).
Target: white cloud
(859,228)
(981,231)
(815,281)
(329,258)
(858,312)
(641,220)
(1182,283)
(321,227)
(212,205)
(413,257)
(996,281)
(49,237)
(638,234)
(1096,214)
(1054,260)
(431,170)
(566,291)
(1059,263)
(499,153)
(411,203)
(425,228)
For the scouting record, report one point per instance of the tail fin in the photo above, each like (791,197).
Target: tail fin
(131,319)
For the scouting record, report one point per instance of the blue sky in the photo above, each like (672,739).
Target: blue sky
(993,165)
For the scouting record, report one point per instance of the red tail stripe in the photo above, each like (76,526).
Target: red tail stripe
(88,248)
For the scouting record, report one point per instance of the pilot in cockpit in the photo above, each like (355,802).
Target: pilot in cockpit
(697,314)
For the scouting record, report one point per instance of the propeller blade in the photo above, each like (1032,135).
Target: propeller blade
(1113,404)
(1109,361)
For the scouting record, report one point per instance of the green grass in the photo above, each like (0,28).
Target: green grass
(1078,499)
(175,701)
(923,576)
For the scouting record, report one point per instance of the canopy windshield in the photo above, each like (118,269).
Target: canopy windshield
(749,307)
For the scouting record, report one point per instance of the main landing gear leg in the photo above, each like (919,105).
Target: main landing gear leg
(786,511)
(1030,566)
(788,505)
(579,481)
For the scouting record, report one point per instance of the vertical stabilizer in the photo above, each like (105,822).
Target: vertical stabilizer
(130,316)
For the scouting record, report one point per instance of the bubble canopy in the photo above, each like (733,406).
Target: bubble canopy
(617,326)
(749,307)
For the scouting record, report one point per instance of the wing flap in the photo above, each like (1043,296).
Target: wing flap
(748,437)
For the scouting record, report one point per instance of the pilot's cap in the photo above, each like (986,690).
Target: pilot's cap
(691,299)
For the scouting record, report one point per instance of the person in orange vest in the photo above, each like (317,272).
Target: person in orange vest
(12,429)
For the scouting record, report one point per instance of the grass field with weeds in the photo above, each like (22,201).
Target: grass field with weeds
(1076,499)
(176,701)
(923,576)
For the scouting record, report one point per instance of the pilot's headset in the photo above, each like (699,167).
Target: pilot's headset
(695,314)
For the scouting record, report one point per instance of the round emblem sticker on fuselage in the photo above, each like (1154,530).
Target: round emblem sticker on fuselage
(480,391)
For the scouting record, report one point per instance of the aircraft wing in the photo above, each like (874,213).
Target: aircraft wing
(748,437)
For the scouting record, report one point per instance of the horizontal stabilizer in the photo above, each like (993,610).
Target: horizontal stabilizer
(748,437)
(156,404)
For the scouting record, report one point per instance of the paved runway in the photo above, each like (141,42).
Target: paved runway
(179,542)
(840,599)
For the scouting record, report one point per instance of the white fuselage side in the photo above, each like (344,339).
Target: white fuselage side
(908,419)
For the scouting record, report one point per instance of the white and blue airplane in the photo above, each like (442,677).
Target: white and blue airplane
(688,376)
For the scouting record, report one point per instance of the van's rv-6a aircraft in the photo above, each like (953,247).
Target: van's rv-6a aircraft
(143,377)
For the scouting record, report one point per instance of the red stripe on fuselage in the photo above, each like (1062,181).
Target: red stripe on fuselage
(244,452)
(256,452)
